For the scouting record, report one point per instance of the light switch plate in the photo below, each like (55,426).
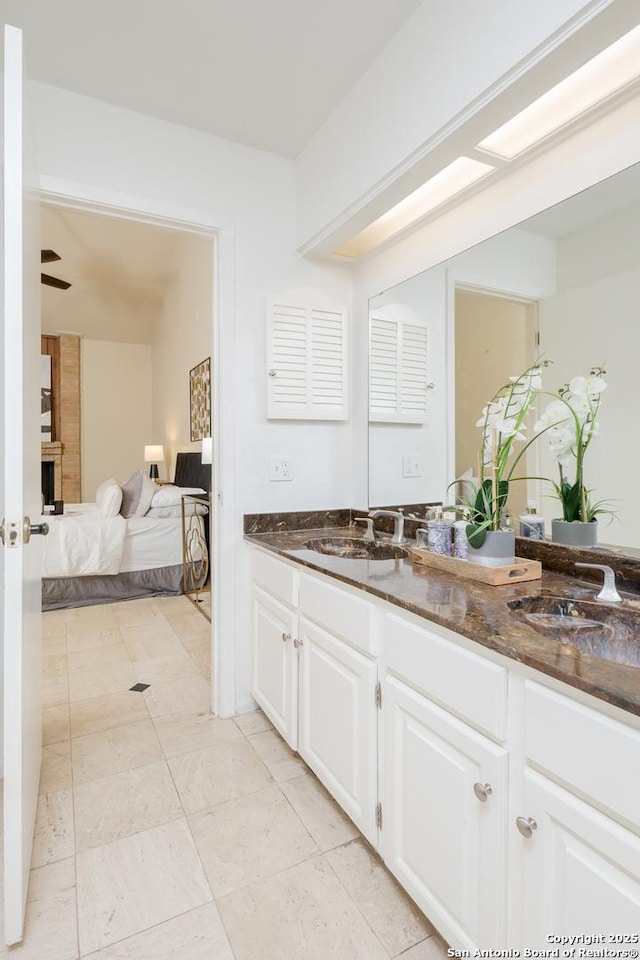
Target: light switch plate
(411,466)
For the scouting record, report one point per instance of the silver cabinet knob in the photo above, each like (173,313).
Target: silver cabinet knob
(482,791)
(285,637)
(297,643)
(526,826)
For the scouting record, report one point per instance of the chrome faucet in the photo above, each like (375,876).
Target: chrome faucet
(608,592)
(398,528)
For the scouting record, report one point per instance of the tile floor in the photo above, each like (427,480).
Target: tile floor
(164,833)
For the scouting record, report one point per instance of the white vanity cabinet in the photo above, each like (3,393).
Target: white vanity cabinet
(578,840)
(445,783)
(274,600)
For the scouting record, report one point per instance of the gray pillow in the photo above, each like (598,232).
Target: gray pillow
(131,491)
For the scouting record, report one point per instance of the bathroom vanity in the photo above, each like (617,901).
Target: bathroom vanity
(495,770)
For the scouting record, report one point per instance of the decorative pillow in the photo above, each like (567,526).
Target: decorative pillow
(109,498)
(131,490)
(189,509)
(148,492)
(169,495)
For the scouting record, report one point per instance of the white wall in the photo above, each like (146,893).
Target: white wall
(417,93)
(182,339)
(116,410)
(102,153)
(594,320)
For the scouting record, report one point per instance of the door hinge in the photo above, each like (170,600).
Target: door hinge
(537,338)
(379,816)
(378,695)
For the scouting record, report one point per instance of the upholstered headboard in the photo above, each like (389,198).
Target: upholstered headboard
(192,472)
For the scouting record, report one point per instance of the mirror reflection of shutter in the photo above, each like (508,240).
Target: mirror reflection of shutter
(397,371)
(307,360)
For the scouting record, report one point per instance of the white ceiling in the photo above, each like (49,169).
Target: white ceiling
(265,73)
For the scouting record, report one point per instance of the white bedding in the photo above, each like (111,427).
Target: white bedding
(83,543)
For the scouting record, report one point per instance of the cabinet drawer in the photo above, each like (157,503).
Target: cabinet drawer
(590,753)
(466,684)
(342,613)
(276,577)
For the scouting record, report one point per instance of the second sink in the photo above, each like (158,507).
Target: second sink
(356,548)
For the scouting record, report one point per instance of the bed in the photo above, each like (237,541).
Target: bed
(91,558)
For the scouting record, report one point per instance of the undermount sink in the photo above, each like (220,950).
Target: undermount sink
(356,548)
(602,631)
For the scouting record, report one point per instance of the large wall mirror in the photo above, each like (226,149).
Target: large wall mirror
(565,285)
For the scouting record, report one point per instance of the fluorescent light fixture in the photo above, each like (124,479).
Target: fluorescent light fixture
(610,71)
(444,185)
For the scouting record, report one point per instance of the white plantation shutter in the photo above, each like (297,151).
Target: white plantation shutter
(397,371)
(307,362)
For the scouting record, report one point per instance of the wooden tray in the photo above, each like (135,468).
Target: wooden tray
(496,576)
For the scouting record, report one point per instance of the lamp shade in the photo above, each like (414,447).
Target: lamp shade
(154,453)
(207,450)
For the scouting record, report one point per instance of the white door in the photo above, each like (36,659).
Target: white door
(275,664)
(20,562)
(581,870)
(444,817)
(338,722)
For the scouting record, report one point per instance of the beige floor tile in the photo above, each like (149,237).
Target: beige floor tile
(102,612)
(53,837)
(55,691)
(55,773)
(132,884)
(324,819)
(200,651)
(166,668)
(144,643)
(103,713)
(196,935)
(102,754)
(54,644)
(106,655)
(282,762)
(184,695)
(54,665)
(137,612)
(189,625)
(55,723)
(248,839)
(254,722)
(219,773)
(432,949)
(99,681)
(54,624)
(393,917)
(180,734)
(123,804)
(302,912)
(92,634)
(51,931)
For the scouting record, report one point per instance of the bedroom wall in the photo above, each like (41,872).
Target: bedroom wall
(182,340)
(116,411)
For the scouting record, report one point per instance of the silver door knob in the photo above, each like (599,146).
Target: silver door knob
(526,826)
(33,529)
(482,791)
(297,643)
(285,637)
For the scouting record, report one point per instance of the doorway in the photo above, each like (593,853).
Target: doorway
(495,338)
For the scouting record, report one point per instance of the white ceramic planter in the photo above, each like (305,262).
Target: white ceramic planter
(574,533)
(498,549)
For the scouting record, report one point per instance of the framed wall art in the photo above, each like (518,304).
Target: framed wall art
(200,400)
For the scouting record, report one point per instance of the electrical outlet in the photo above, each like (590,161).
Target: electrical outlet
(280,468)
(411,466)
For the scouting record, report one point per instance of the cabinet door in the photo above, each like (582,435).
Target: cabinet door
(275,664)
(445,844)
(338,722)
(580,870)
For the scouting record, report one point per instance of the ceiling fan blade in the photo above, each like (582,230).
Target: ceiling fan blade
(48,256)
(54,282)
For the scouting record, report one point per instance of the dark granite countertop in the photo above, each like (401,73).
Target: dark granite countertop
(475,610)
